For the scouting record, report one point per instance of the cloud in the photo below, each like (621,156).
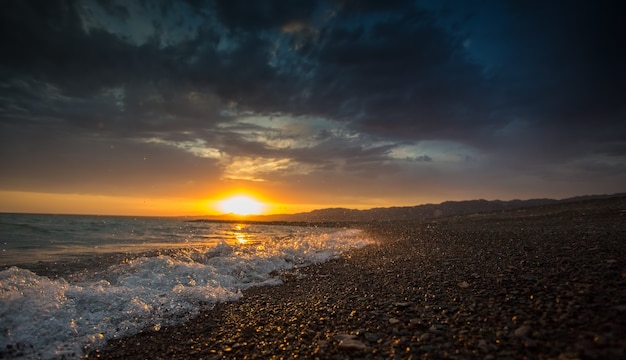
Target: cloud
(278,91)
(259,15)
(258,169)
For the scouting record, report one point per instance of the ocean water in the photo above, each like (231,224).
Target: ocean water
(69,283)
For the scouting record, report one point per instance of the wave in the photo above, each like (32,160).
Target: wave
(46,318)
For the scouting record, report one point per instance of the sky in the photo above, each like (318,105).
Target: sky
(167,107)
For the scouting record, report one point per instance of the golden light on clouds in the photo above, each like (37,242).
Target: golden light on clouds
(258,169)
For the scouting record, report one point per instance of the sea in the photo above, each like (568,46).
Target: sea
(69,283)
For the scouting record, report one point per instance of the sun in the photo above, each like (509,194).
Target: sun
(241,205)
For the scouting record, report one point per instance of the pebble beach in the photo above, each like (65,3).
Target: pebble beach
(537,283)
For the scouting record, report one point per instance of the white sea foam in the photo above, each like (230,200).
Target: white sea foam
(44,318)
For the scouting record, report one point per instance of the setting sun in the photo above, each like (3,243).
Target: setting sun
(241,205)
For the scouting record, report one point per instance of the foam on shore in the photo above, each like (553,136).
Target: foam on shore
(49,318)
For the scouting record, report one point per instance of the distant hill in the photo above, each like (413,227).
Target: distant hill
(419,212)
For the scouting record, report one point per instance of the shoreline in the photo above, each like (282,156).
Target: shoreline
(536,283)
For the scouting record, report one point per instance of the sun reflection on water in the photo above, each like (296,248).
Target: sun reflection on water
(240,235)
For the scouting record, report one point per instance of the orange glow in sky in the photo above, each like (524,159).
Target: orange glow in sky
(241,205)
(239,202)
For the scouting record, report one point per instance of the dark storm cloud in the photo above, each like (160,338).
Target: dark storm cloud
(45,41)
(256,15)
(530,84)
(404,76)
(401,77)
(569,59)
(399,68)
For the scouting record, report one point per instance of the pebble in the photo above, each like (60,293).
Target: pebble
(620,308)
(523,331)
(569,356)
(350,343)
(530,343)
(414,321)
(493,301)
(344,337)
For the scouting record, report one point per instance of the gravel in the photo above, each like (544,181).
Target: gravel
(542,283)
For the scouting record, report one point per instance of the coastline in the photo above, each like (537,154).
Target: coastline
(546,282)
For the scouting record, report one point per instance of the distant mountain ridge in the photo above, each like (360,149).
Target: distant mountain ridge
(418,212)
